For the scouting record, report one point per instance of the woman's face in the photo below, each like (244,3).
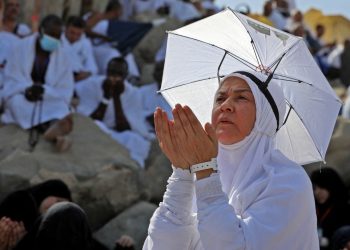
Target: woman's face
(234,111)
(321,194)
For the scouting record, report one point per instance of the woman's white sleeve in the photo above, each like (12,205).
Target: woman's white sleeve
(173,225)
(218,225)
(282,212)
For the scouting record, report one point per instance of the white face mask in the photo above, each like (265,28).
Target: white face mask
(49,43)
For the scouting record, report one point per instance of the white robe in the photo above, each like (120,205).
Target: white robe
(58,86)
(141,6)
(183,11)
(104,51)
(278,20)
(259,200)
(134,7)
(23,30)
(151,99)
(138,139)
(346,106)
(81,54)
(7,41)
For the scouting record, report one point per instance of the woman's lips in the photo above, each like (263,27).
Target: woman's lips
(224,121)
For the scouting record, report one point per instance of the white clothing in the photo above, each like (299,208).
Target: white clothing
(104,54)
(141,6)
(101,27)
(334,57)
(151,100)
(278,20)
(160,55)
(183,11)
(258,200)
(7,41)
(291,5)
(58,86)
(132,7)
(137,140)
(23,30)
(81,54)
(346,106)
(210,5)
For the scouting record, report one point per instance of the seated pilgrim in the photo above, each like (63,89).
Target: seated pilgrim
(7,41)
(39,84)
(116,106)
(103,47)
(151,98)
(136,7)
(81,53)
(10,21)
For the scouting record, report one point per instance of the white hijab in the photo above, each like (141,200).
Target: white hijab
(243,165)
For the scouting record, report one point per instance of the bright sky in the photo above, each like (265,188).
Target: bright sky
(328,7)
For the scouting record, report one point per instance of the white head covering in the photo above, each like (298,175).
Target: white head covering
(243,164)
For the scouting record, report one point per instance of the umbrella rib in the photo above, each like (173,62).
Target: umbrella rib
(184,84)
(292,108)
(273,64)
(258,59)
(290,79)
(241,59)
(249,65)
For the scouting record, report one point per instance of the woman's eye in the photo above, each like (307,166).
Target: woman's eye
(220,99)
(241,97)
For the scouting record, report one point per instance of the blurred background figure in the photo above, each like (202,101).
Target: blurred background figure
(341,239)
(331,197)
(10,20)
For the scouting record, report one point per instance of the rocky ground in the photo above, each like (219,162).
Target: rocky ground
(118,196)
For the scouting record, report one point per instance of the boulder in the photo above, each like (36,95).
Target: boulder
(97,169)
(133,222)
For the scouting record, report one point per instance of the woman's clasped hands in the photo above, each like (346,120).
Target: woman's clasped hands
(183,140)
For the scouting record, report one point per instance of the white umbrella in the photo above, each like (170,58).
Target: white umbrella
(199,53)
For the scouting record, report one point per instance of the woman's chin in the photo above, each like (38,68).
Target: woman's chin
(226,139)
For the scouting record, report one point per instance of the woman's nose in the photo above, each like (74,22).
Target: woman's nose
(227,105)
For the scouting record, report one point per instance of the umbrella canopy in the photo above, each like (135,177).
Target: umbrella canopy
(199,54)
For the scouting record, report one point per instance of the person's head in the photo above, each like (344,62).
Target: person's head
(268,8)
(328,187)
(117,68)
(240,106)
(234,110)
(299,31)
(50,192)
(11,10)
(75,28)
(20,206)
(64,227)
(320,29)
(341,239)
(50,32)
(114,9)
(298,16)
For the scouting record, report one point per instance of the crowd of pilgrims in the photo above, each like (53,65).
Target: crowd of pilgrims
(75,67)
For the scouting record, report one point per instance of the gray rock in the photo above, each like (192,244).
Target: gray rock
(154,178)
(133,222)
(97,169)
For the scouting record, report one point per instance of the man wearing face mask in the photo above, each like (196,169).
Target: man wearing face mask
(117,108)
(39,85)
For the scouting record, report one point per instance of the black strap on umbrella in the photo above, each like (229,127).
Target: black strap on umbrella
(263,88)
